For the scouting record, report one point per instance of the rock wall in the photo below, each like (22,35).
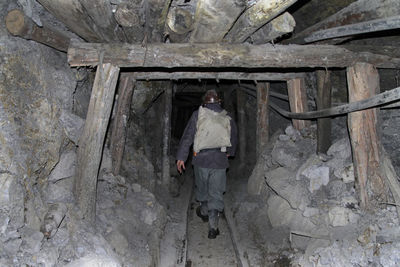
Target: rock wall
(36,86)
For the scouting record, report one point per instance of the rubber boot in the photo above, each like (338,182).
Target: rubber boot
(202,211)
(213,217)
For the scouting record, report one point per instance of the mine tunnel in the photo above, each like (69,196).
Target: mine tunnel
(103,103)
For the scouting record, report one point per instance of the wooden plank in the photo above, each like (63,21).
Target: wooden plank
(362,10)
(222,55)
(277,27)
(118,133)
(297,101)
(74,16)
(392,179)
(354,29)
(324,125)
(363,82)
(92,140)
(250,76)
(166,176)
(213,19)
(262,134)
(241,118)
(255,17)
(20,25)
(100,12)
(392,51)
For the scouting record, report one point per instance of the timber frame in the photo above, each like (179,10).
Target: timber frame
(216,49)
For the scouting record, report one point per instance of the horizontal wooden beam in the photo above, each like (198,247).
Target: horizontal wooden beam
(20,25)
(359,11)
(392,51)
(354,29)
(239,76)
(221,56)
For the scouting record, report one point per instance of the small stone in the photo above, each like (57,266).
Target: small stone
(318,176)
(32,239)
(4,220)
(284,137)
(65,167)
(347,174)
(136,188)
(338,216)
(309,212)
(368,236)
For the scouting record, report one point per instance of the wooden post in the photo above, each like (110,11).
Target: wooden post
(92,140)
(324,88)
(166,135)
(20,25)
(297,101)
(262,117)
(363,82)
(241,102)
(118,134)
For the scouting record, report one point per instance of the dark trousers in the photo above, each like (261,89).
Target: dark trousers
(210,187)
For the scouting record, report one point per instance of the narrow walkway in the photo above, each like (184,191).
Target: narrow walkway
(202,251)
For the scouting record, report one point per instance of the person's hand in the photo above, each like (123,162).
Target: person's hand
(180,164)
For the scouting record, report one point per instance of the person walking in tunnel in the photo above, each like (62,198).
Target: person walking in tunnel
(213,134)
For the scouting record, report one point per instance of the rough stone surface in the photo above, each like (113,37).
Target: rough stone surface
(317,175)
(65,168)
(61,191)
(282,181)
(31,239)
(73,125)
(339,216)
(292,154)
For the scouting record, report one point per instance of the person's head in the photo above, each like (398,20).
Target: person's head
(211,97)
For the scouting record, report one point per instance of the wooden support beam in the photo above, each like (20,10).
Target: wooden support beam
(392,179)
(324,125)
(74,16)
(354,29)
(238,76)
(363,82)
(118,134)
(262,129)
(359,11)
(20,25)
(179,24)
(100,12)
(166,176)
(127,16)
(298,101)
(240,103)
(255,17)
(277,27)
(91,142)
(221,55)
(392,51)
(156,17)
(213,19)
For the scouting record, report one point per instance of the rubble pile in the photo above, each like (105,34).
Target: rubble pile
(305,207)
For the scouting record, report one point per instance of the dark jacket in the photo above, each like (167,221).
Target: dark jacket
(207,158)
